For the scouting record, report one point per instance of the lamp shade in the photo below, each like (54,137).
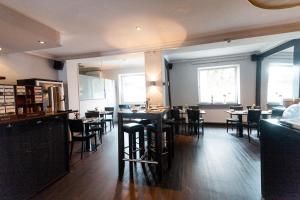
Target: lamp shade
(275,4)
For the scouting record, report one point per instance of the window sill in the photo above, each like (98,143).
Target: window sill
(217,105)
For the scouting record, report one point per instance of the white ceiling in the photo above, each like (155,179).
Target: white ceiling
(19,33)
(109,25)
(241,46)
(132,60)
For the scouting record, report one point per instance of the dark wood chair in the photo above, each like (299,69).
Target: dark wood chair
(194,107)
(194,121)
(233,120)
(254,107)
(178,107)
(100,126)
(253,119)
(111,119)
(179,121)
(80,134)
(124,106)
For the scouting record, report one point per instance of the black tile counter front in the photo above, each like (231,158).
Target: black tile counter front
(33,154)
(280,161)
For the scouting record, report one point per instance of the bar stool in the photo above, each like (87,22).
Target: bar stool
(168,142)
(132,129)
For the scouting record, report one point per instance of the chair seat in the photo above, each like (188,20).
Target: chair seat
(252,124)
(142,121)
(79,137)
(94,129)
(169,121)
(153,127)
(132,127)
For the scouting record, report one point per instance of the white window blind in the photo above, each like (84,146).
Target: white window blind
(132,88)
(219,85)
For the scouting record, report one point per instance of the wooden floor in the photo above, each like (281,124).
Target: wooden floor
(217,166)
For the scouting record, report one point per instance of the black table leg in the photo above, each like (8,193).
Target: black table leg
(120,146)
(159,148)
(240,125)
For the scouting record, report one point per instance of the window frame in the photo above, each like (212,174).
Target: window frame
(121,96)
(237,83)
(295,81)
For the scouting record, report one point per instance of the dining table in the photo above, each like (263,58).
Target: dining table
(153,115)
(88,122)
(241,113)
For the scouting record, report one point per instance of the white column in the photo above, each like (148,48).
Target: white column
(155,71)
(69,75)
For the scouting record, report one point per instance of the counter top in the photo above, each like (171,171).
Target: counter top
(19,118)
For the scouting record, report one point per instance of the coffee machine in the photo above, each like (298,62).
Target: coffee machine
(53,93)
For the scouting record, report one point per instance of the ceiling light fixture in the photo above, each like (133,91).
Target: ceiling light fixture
(41,42)
(138,28)
(0,49)
(275,4)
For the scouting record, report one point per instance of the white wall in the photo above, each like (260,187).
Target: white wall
(23,66)
(184,82)
(69,76)
(71,82)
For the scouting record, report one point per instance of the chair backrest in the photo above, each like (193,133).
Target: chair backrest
(178,107)
(109,108)
(254,115)
(193,115)
(175,114)
(236,107)
(92,114)
(255,107)
(194,107)
(75,125)
(277,112)
(124,106)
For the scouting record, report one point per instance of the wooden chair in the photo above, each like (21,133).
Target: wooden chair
(194,121)
(175,115)
(110,120)
(194,107)
(253,119)
(80,134)
(233,120)
(100,126)
(124,106)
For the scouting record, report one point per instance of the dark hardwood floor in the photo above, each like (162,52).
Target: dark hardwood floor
(217,166)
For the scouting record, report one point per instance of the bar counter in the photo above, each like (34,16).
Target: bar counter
(280,161)
(33,153)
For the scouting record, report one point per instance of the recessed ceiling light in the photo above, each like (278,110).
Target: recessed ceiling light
(138,28)
(41,42)
(0,49)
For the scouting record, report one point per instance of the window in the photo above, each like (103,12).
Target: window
(283,82)
(219,84)
(132,88)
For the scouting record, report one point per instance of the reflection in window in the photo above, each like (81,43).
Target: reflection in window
(219,84)
(132,88)
(283,82)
